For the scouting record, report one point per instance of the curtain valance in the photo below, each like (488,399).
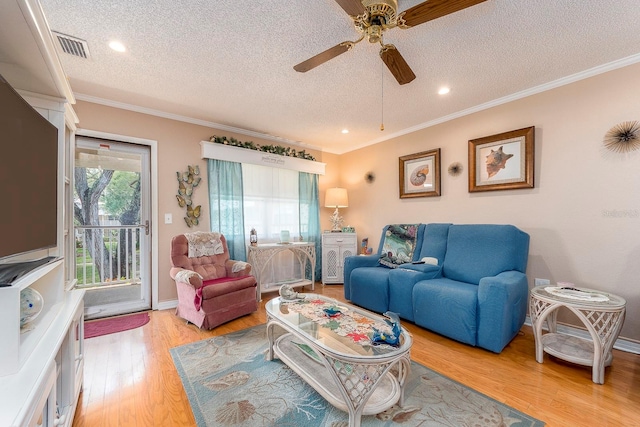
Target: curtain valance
(211,150)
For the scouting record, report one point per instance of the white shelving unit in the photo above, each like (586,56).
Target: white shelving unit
(335,248)
(41,369)
(53,339)
(19,344)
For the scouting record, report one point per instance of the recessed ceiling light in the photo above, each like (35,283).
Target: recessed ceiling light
(443,91)
(345,130)
(117,46)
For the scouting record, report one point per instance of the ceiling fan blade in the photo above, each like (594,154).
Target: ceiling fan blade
(433,9)
(323,57)
(396,64)
(352,7)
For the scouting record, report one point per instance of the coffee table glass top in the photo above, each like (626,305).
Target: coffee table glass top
(336,326)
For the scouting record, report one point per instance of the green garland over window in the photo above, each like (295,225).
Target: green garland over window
(273,149)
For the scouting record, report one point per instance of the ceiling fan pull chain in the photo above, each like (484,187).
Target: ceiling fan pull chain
(382,96)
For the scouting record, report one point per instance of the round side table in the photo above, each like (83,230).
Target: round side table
(602,316)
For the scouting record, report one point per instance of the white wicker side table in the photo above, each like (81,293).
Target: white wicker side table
(601,313)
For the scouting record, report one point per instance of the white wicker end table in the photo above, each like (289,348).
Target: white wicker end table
(335,357)
(601,313)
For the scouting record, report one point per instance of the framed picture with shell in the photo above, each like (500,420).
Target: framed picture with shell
(420,174)
(503,161)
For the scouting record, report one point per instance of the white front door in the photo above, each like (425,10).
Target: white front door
(112,187)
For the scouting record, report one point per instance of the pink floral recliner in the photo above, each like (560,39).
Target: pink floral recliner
(212,289)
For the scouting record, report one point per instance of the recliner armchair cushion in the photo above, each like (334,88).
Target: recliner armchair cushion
(434,244)
(375,295)
(475,251)
(447,307)
(401,282)
(215,287)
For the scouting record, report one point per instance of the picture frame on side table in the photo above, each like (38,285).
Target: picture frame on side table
(502,162)
(420,174)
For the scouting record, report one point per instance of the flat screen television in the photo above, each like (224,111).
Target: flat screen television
(28,177)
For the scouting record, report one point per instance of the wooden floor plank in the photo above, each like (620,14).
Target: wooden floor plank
(130,379)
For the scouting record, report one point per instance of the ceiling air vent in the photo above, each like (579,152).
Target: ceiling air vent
(72,45)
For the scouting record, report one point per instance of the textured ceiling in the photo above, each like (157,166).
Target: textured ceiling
(230,62)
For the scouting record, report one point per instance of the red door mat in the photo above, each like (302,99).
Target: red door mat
(112,325)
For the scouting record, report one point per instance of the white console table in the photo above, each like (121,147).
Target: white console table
(261,257)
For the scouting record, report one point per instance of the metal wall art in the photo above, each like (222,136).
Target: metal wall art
(187,181)
(455,169)
(503,161)
(623,137)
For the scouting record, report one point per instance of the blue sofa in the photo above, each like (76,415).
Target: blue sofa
(476,294)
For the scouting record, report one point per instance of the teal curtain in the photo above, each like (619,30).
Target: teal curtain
(310,217)
(226,205)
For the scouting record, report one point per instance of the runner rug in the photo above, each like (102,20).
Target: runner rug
(229,383)
(111,325)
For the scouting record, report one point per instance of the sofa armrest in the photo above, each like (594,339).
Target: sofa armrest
(237,268)
(353,262)
(422,268)
(502,308)
(184,275)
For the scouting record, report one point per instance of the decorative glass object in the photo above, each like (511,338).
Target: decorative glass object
(253,237)
(31,304)
(284,236)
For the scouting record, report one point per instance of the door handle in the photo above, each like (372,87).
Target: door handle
(146,227)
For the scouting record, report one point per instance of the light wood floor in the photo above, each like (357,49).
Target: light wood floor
(130,379)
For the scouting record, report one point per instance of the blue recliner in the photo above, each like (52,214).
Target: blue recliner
(477,294)
(403,279)
(367,269)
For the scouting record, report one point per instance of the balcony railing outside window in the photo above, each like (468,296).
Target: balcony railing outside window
(115,258)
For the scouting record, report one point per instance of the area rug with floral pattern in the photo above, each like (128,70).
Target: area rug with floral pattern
(230,383)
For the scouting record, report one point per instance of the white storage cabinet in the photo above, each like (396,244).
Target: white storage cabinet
(335,248)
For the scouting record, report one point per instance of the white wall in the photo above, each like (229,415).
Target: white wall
(583,214)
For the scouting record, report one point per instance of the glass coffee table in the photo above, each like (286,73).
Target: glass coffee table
(334,354)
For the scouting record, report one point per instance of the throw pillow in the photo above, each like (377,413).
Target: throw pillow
(399,244)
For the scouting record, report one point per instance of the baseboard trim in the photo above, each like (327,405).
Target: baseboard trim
(166,305)
(620,344)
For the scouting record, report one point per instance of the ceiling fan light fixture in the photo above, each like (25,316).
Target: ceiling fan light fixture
(379,16)
(381,12)
(374,34)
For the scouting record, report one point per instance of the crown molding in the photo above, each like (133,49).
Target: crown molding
(629,60)
(191,120)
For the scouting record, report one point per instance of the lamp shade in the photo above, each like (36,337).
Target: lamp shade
(336,198)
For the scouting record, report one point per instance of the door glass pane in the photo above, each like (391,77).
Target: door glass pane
(110,233)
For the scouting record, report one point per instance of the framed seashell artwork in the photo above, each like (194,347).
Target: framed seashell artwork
(420,174)
(503,161)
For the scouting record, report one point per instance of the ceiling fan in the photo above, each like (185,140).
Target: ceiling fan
(372,18)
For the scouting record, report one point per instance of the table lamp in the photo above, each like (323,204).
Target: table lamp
(336,198)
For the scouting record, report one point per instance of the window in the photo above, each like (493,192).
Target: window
(243,196)
(271,202)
